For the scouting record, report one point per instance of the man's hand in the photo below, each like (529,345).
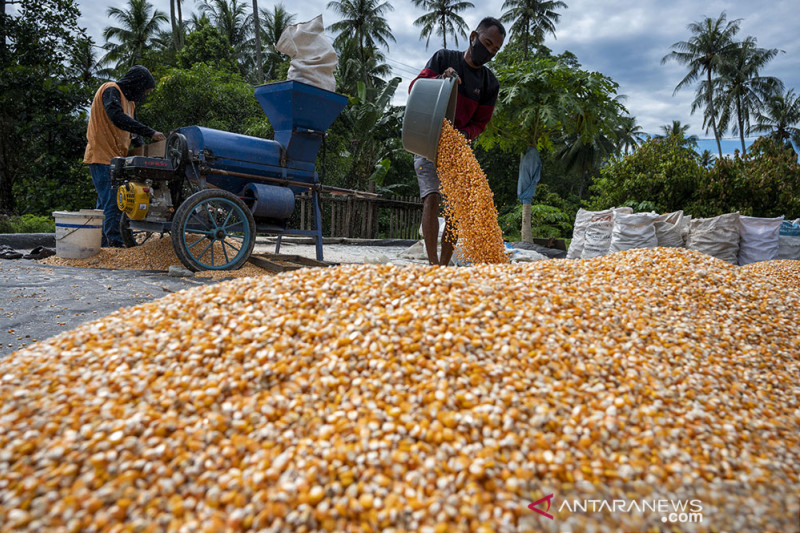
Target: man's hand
(158,136)
(450,72)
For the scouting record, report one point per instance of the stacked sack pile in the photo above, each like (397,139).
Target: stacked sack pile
(735,238)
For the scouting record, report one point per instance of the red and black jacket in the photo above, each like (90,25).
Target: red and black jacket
(477,93)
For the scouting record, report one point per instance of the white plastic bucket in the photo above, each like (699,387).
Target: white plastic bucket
(78,235)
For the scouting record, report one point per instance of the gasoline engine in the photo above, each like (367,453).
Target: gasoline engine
(146,187)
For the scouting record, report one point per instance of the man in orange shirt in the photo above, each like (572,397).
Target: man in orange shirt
(111,127)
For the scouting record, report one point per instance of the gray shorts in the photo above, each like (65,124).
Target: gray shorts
(426,176)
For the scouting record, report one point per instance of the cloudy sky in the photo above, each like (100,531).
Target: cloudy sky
(623,39)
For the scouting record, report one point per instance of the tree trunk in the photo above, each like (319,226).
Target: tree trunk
(741,121)
(713,117)
(363,63)
(2,28)
(259,63)
(527,233)
(583,183)
(444,34)
(175,37)
(525,52)
(180,24)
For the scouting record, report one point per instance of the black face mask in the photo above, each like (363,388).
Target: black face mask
(480,54)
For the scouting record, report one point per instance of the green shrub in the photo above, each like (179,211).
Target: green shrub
(546,221)
(663,172)
(765,182)
(662,175)
(58,186)
(204,96)
(27,224)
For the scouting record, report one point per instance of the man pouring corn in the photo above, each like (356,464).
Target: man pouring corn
(477,93)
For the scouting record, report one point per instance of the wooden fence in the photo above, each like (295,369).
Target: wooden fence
(362,218)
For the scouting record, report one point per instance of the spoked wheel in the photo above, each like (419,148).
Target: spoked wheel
(177,151)
(132,237)
(213,230)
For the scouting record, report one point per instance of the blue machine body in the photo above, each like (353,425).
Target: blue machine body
(299,113)
(269,201)
(232,152)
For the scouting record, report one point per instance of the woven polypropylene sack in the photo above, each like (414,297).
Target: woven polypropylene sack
(716,236)
(631,231)
(313,56)
(669,229)
(789,240)
(582,220)
(597,237)
(758,239)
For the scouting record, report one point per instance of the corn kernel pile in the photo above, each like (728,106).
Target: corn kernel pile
(155,254)
(468,201)
(784,271)
(376,397)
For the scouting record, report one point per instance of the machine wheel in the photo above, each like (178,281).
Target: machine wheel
(132,237)
(177,151)
(213,230)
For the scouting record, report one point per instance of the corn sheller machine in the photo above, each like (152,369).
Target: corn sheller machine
(213,191)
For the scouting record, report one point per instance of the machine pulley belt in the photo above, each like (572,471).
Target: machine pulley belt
(316,186)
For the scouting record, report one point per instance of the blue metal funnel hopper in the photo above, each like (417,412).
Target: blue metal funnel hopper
(300,114)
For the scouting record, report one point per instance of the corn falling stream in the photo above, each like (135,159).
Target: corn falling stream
(468,201)
(375,397)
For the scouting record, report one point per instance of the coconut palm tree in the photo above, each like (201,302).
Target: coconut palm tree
(629,134)
(83,63)
(139,24)
(532,20)
(275,22)
(710,46)
(583,154)
(352,69)
(676,129)
(174,23)
(362,21)
(232,20)
(442,19)
(181,27)
(742,89)
(706,158)
(591,136)
(779,117)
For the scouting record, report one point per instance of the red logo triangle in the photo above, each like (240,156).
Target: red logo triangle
(533,507)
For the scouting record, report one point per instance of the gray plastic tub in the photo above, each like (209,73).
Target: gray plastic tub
(430,102)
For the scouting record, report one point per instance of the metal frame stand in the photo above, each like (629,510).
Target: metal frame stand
(316,233)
